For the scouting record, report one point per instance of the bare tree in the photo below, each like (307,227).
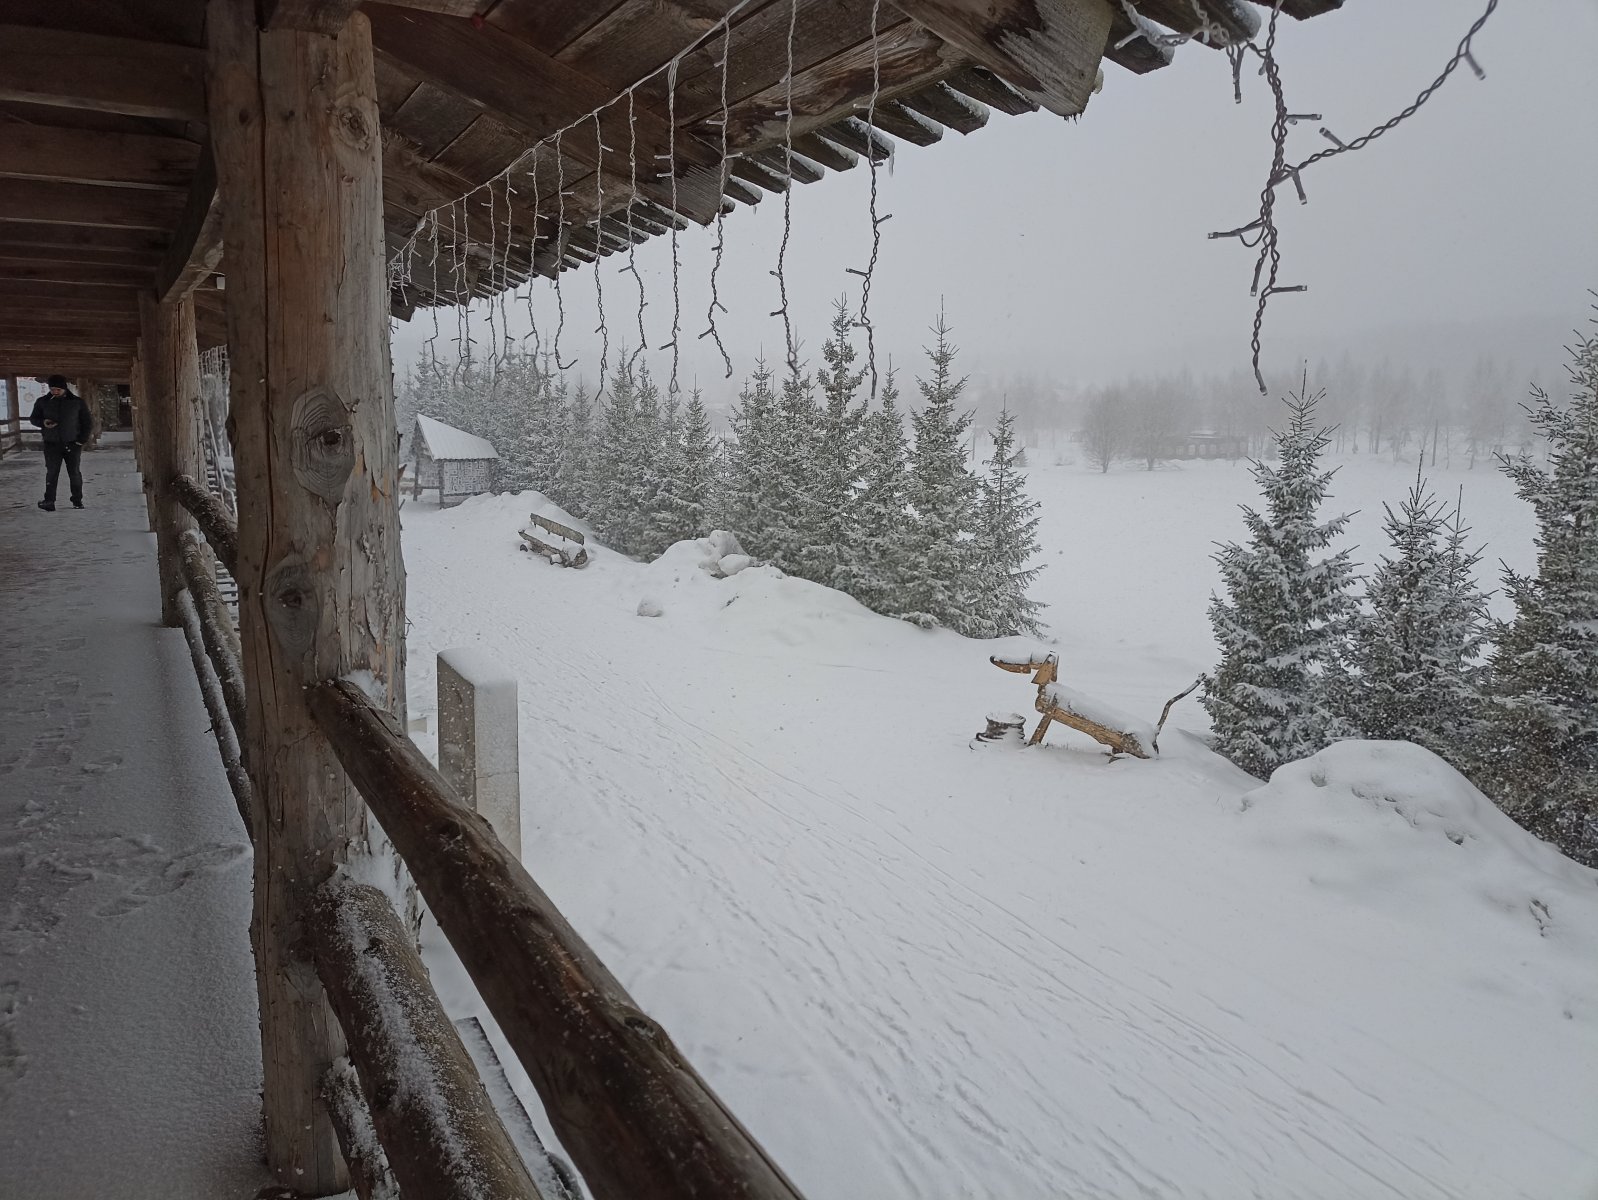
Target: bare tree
(1153,417)
(1104,428)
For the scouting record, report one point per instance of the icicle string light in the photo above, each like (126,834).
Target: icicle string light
(866,276)
(721,239)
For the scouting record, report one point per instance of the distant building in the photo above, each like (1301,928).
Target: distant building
(1206,443)
(457,463)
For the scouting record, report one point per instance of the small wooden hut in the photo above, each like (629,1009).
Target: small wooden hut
(457,463)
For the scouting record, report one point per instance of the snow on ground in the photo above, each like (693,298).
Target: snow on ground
(918,969)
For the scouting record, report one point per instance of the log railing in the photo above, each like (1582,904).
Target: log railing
(636,1118)
(639,1122)
(213,519)
(412,1117)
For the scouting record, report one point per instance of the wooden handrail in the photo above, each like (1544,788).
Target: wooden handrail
(213,519)
(216,626)
(371,1178)
(636,1118)
(227,742)
(439,1131)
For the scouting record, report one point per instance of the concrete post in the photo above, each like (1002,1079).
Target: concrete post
(478,743)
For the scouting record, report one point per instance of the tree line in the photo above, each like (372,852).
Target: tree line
(817,478)
(1513,704)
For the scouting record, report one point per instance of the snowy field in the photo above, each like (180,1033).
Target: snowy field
(915,969)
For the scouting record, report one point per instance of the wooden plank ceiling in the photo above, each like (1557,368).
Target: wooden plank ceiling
(106,187)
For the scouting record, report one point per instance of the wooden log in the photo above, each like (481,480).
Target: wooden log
(638,1121)
(216,626)
(1117,740)
(370,1174)
(439,1131)
(943,104)
(172,374)
(216,708)
(298,155)
(108,74)
(221,534)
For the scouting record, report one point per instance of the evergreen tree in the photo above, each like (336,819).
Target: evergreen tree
(612,469)
(518,399)
(876,565)
(746,484)
(692,473)
(574,478)
(790,502)
(1282,625)
(1415,653)
(1008,537)
(1539,750)
(941,583)
(547,435)
(829,523)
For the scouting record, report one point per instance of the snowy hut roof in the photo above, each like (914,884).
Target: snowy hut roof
(445,443)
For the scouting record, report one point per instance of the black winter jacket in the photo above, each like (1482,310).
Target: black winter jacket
(70,414)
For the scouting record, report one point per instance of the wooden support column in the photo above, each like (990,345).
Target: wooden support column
(90,390)
(13,402)
(172,435)
(295,137)
(141,430)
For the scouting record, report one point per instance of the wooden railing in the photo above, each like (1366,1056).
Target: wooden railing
(636,1118)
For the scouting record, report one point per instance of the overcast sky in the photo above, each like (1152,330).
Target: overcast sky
(1078,249)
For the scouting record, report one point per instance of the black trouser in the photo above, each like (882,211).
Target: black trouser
(54,455)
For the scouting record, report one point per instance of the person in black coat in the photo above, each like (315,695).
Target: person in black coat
(65,420)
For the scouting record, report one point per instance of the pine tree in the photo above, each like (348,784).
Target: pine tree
(1539,749)
(1415,653)
(790,501)
(612,466)
(1282,625)
(547,435)
(746,489)
(574,478)
(876,566)
(1008,537)
(941,584)
(692,473)
(829,522)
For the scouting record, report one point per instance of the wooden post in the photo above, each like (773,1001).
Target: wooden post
(172,439)
(91,390)
(14,403)
(141,430)
(295,136)
(479,743)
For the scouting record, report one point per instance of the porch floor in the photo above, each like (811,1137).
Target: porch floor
(129,1051)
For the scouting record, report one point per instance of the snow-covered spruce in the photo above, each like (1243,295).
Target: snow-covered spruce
(878,563)
(1538,755)
(1285,614)
(941,561)
(1415,655)
(831,529)
(1008,538)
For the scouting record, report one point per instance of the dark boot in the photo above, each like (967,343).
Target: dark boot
(77,504)
(47,505)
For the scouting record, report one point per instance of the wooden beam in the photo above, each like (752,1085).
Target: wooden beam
(197,239)
(67,295)
(307,16)
(943,104)
(44,271)
(892,117)
(86,204)
(1131,46)
(1303,10)
(16,250)
(621,1097)
(1048,50)
(299,171)
(106,74)
(45,236)
(51,152)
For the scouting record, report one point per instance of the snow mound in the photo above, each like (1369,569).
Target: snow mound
(1392,825)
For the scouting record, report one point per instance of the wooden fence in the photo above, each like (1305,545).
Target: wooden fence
(638,1121)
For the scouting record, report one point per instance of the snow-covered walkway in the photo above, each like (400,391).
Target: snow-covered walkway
(129,1052)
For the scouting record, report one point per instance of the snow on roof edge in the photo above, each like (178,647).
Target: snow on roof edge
(448,444)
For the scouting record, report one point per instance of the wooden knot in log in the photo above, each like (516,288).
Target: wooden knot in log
(324,444)
(293,610)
